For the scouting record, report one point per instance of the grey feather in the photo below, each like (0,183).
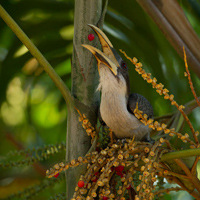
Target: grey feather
(143,104)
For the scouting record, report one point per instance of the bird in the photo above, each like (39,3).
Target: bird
(117,103)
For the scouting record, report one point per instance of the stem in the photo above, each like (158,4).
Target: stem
(189,78)
(180,154)
(172,21)
(37,54)
(192,177)
(84,83)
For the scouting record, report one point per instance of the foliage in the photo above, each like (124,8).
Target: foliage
(112,171)
(32,111)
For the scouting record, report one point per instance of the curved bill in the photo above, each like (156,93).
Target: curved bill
(107,46)
(102,58)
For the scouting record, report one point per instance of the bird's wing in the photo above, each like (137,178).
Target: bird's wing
(143,104)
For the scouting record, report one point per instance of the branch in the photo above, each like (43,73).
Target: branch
(171,19)
(189,78)
(37,54)
(180,154)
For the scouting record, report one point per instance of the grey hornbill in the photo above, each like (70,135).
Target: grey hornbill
(117,104)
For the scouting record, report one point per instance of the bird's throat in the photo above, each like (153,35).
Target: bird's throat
(113,108)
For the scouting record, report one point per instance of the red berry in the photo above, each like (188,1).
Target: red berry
(56,175)
(80,184)
(91,37)
(105,198)
(120,168)
(94,180)
(96,174)
(120,174)
(129,187)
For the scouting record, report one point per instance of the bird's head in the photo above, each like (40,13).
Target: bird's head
(113,71)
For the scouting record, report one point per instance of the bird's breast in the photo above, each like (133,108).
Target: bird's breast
(114,113)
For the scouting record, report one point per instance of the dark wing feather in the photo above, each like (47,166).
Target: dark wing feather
(143,104)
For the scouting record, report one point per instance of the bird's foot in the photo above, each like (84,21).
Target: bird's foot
(111,136)
(122,142)
(149,140)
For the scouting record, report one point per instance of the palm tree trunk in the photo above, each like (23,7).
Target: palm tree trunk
(84,84)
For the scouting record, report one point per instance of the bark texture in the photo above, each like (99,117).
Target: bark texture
(84,84)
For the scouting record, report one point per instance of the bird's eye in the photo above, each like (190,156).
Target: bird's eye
(124,65)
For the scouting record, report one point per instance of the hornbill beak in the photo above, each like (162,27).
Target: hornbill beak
(109,56)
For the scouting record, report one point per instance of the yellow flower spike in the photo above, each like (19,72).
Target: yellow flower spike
(186,135)
(154,179)
(139,64)
(115,164)
(123,179)
(130,179)
(196,133)
(166,96)
(156,124)
(146,149)
(138,188)
(103,152)
(165,91)
(181,107)
(155,165)
(73,162)
(163,126)
(62,165)
(149,80)
(100,183)
(66,167)
(135,164)
(144,75)
(147,191)
(142,168)
(145,173)
(120,156)
(162,140)
(136,156)
(151,126)
(145,116)
(119,192)
(85,121)
(115,146)
(137,198)
(144,186)
(173,102)
(135,60)
(94,194)
(56,166)
(146,160)
(80,119)
(167,131)
(152,153)
(183,137)
(100,160)
(89,131)
(159,129)
(165,172)
(159,91)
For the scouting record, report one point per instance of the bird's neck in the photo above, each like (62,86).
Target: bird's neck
(111,84)
(113,92)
